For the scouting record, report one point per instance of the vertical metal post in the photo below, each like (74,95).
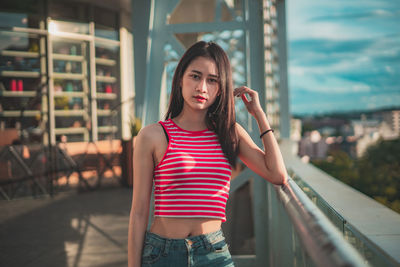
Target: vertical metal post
(43,81)
(140,29)
(50,89)
(93,89)
(283,76)
(256,73)
(154,72)
(127,87)
(50,109)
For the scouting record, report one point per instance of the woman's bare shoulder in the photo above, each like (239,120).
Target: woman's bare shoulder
(239,129)
(151,132)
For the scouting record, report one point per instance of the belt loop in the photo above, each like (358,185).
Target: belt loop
(166,247)
(206,243)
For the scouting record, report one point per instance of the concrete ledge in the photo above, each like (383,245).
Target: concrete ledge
(244,260)
(376,222)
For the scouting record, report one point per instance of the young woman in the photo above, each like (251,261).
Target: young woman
(189,158)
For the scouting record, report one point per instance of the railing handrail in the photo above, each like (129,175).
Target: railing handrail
(369,226)
(322,241)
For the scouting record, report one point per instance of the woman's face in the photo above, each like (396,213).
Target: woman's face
(200,83)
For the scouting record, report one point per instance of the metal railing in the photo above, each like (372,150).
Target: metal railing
(368,226)
(375,255)
(301,235)
(36,169)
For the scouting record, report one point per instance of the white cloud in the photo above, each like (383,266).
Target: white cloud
(384,100)
(305,19)
(321,83)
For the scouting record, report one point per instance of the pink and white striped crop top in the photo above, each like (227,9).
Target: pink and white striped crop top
(193,178)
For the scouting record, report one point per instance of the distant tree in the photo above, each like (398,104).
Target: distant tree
(376,173)
(340,165)
(379,171)
(307,127)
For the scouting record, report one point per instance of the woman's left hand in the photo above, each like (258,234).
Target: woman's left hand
(253,105)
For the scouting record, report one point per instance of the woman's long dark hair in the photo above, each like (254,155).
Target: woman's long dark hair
(221,114)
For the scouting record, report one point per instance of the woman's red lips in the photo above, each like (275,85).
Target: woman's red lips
(199,97)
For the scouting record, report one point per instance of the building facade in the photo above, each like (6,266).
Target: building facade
(66,70)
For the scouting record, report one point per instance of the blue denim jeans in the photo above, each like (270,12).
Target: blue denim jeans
(204,250)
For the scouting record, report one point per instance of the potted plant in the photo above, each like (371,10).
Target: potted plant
(127,152)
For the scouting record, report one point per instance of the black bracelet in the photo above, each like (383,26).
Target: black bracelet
(267,131)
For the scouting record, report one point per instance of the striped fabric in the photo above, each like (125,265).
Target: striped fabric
(193,178)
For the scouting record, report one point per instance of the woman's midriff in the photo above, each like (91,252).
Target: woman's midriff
(178,228)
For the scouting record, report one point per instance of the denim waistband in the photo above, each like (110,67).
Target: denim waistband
(194,241)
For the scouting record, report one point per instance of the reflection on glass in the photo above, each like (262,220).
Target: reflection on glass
(105,32)
(67,66)
(20,83)
(105,51)
(66,26)
(108,91)
(23,20)
(106,23)
(68,47)
(71,122)
(13,41)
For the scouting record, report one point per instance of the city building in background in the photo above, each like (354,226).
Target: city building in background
(65,70)
(352,133)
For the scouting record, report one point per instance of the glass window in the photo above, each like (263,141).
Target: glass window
(106,24)
(71,88)
(66,26)
(107,90)
(23,77)
(21,82)
(25,14)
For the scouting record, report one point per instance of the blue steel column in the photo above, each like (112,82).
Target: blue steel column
(140,29)
(283,76)
(155,58)
(256,71)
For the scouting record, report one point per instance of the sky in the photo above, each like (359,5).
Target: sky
(343,55)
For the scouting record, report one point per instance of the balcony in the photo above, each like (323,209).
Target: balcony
(313,221)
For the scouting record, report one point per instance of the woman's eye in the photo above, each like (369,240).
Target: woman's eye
(213,80)
(195,76)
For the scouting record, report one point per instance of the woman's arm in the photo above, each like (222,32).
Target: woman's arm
(142,187)
(268,163)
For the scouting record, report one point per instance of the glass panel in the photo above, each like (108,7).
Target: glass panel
(25,14)
(71,89)
(67,66)
(62,98)
(106,32)
(16,41)
(18,20)
(18,86)
(70,122)
(67,47)
(65,26)
(108,91)
(106,23)
(21,87)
